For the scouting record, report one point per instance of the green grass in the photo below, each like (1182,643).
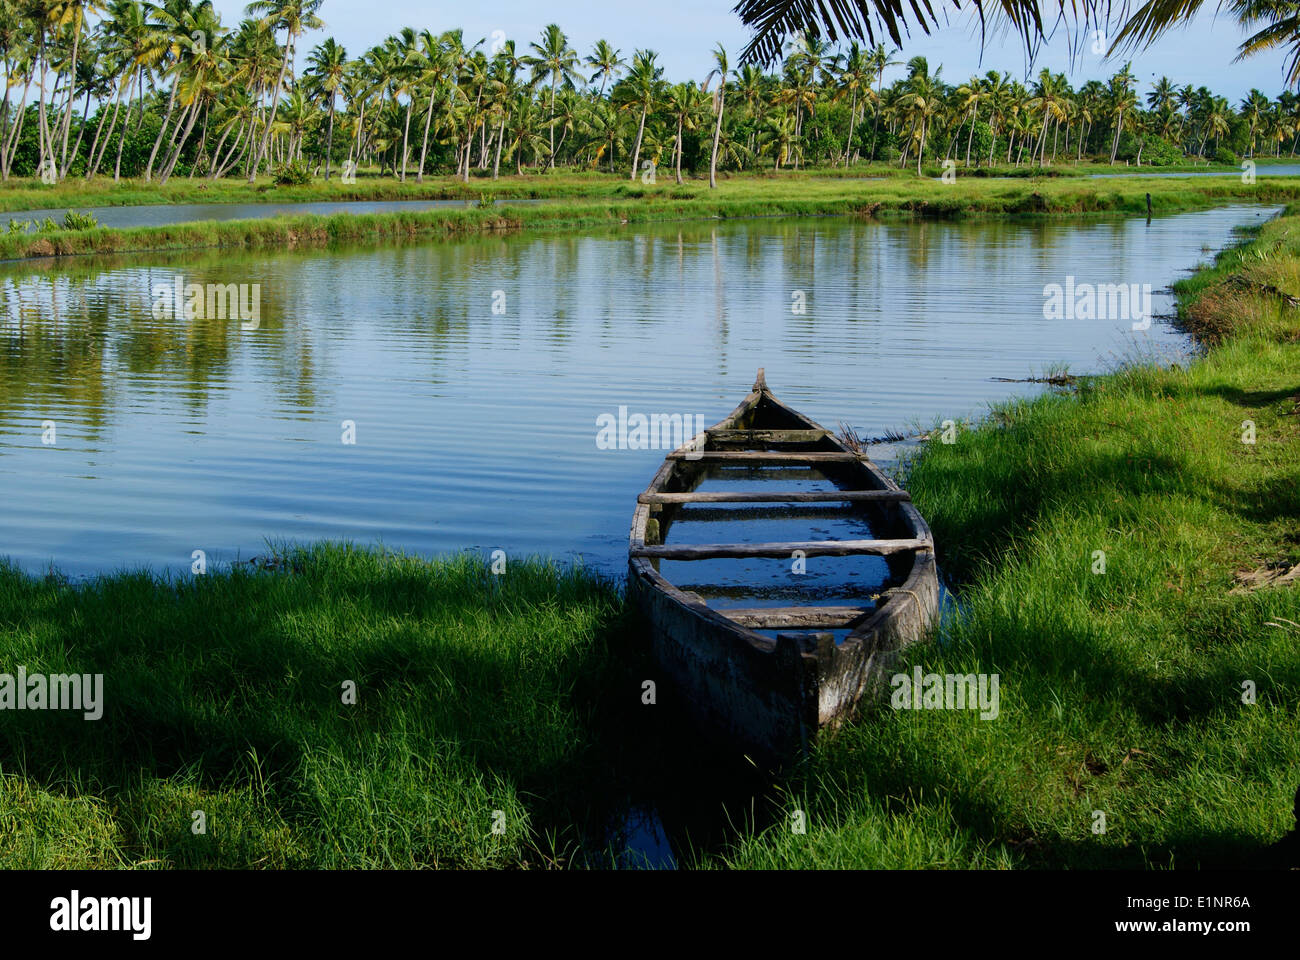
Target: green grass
(30,194)
(1122,691)
(224,694)
(589,202)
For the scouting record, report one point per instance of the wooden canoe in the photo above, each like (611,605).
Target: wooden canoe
(769,694)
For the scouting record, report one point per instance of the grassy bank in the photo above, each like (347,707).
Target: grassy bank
(1121,691)
(224,694)
(27,194)
(638,203)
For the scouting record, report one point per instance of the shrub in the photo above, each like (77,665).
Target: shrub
(293,174)
(79,221)
(1224,155)
(1159,152)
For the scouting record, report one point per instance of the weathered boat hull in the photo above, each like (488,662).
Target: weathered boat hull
(770,696)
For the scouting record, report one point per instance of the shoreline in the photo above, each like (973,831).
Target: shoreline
(1120,689)
(973,197)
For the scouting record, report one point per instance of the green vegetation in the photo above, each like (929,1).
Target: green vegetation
(168,91)
(71,221)
(599,202)
(1120,691)
(224,693)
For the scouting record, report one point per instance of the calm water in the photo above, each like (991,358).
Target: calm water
(161,215)
(1263,170)
(477,429)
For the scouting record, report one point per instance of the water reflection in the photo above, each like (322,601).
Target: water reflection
(474,372)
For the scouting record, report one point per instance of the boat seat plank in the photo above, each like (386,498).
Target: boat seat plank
(765,456)
(779,496)
(766,436)
(779,618)
(809,548)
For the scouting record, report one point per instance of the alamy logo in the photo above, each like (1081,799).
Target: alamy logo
(658,431)
(946,691)
(74,913)
(57,691)
(1100,301)
(207,301)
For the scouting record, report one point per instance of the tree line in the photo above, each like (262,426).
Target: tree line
(126,88)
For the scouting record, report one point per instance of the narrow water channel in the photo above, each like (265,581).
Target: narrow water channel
(447,395)
(451,395)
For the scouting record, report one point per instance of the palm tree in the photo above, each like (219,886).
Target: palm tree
(1162,95)
(523,131)
(969,94)
(504,89)
(1049,101)
(778,132)
(199,71)
(685,104)
(1186,98)
(878,61)
(294,17)
(640,90)
(604,129)
(554,59)
(855,82)
(921,102)
(327,62)
(1282,20)
(996,91)
(607,62)
(74,11)
(1252,109)
(1121,101)
(772,21)
(720,71)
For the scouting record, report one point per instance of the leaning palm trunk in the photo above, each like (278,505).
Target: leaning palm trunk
(44,126)
(501,136)
(203,142)
(550,164)
(234,155)
(171,104)
(424,144)
(72,84)
(121,141)
(92,161)
(180,143)
(4,124)
(216,151)
(329,140)
(11,142)
(406,133)
(361,121)
(717,136)
(636,154)
(853,119)
(678,152)
(81,133)
(970,136)
(275,105)
(875,123)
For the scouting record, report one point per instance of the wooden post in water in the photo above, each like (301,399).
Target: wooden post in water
(1148,206)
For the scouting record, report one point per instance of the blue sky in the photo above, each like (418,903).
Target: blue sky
(684,32)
